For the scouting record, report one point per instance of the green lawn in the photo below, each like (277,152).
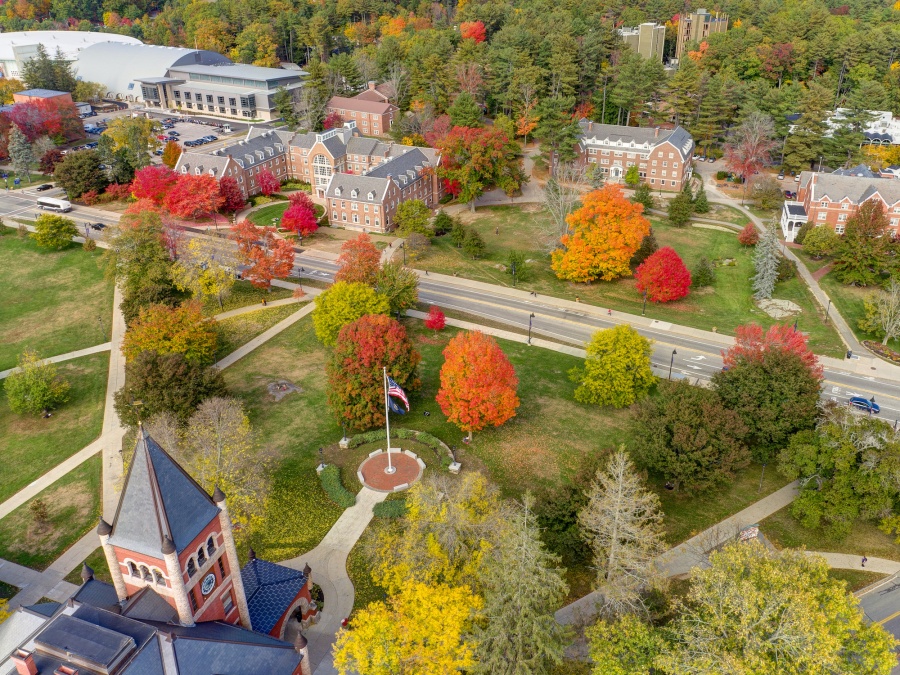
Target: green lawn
(358,569)
(856,579)
(724,306)
(73,504)
(864,539)
(811,263)
(30,445)
(244,294)
(54,302)
(97,562)
(850,302)
(7,591)
(727,213)
(239,330)
(263,217)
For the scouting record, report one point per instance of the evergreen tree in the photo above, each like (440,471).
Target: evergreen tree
(704,274)
(765,261)
(648,247)
(522,584)
(557,131)
(38,72)
(283,101)
(63,72)
(701,203)
(680,208)
(714,112)
(465,112)
(20,153)
(684,91)
(643,195)
(806,144)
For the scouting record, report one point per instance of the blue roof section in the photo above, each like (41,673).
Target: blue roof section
(97,594)
(270,591)
(219,630)
(205,657)
(159,499)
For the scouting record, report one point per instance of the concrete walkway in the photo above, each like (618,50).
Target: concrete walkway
(256,308)
(691,553)
(261,339)
(105,347)
(328,561)
(845,561)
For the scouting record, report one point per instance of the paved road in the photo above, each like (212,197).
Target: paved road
(881,603)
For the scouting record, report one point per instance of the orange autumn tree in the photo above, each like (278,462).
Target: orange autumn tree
(602,237)
(359,261)
(478,383)
(172,330)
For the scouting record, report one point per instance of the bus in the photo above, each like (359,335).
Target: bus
(51,204)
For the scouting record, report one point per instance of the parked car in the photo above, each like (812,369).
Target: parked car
(210,138)
(865,404)
(97,226)
(711,160)
(174,133)
(796,179)
(788,194)
(91,145)
(44,187)
(158,153)
(162,137)
(781,175)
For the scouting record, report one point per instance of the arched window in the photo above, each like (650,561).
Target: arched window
(145,573)
(201,556)
(192,568)
(321,169)
(132,569)
(158,578)
(211,545)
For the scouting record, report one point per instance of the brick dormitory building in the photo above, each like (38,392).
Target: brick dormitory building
(831,199)
(179,604)
(362,180)
(662,156)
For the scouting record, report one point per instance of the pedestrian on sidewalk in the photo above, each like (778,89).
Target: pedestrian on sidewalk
(864,561)
(609,312)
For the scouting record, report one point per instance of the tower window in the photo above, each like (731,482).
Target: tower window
(192,568)
(158,578)
(193,600)
(201,556)
(211,545)
(132,569)
(222,568)
(145,573)
(227,603)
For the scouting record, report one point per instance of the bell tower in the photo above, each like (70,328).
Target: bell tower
(169,537)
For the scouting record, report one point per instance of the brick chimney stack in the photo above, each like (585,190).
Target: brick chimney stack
(24,662)
(371,85)
(656,133)
(590,125)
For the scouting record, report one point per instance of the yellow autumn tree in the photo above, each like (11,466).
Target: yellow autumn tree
(602,237)
(420,630)
(206,270)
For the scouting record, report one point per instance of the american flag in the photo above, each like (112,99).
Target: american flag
(395,390)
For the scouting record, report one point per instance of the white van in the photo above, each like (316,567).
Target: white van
(50,204)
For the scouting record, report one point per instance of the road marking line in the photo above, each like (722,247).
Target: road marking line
(885,620)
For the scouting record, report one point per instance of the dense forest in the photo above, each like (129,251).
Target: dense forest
(534,59)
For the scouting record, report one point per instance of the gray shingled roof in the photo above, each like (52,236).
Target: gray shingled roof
(47,609)
(857,189)
(204,657)
(270,591)
(148,605)
(610,134)
(410,161)
(147,662)
(159,500)
(359,145)
(70,636)
(365,184)
(97,594)
(859,170)
(253,146)
(203,161)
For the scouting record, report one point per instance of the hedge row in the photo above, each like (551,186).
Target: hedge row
(380,435)
(392,508)
(330,478)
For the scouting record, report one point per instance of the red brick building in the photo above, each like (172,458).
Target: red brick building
(371,110)
(832,199)
(662,156)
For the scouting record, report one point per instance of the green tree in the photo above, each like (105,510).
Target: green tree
(522,584)
(412,216)
(760,611)
(617,370)
(556,130)
(680,209)
(643,195)
(283,100)
(136,137)
(165,383)
(34,386)
(622,521)
(399,284)
(701,203)
(465,112)
(52,231)
(704,274)
(632,176)
(516,266)
(847,469)
(765,261)
(344,303)
(865,250)
(88,91)
(21,154)
(883,313)
(689,437)
(648,247)
(624,646)
(473,244)
(805,144)
(821,241)
(80,172)
(684,91)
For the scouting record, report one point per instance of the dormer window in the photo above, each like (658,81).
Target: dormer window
(354,193)
(197,171)
(371,195)
(184,169)
(337,191)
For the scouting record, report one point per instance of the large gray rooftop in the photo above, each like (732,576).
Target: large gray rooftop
(73,639)
(593,133)
(241,70)
(857,189)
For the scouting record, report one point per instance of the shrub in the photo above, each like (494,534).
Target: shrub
(787,269)
(90,245)
(330,477)
(90,197)
(392,508)
(443,223)
(802,232)
(721,175)
(749,236)
(704,274)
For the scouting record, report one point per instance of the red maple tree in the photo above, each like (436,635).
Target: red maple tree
(232,197)
(751,344)
(266,256)
(355,376)
(663,276)
(153,182)
(473,30)
(300,216)
(332,121)
(478,383)
(268,183)
(359,261)
(749,236)
(436,319)
(246,234)
(142,206)
(193,196)
(46,117)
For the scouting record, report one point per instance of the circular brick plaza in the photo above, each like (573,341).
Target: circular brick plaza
(408,470)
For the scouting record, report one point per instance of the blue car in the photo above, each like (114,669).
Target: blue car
(865,404)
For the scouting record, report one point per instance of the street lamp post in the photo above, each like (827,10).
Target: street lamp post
(513,270)
(403,248)
(531,316)
(826,311)
(672,362)
(644,308)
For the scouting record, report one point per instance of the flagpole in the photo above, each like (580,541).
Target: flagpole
(387,420)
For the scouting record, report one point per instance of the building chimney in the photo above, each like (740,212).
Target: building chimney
(371,85)
(656,133)
(24,662)
(590,125)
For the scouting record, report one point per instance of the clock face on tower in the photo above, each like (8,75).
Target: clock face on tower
(209,583)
